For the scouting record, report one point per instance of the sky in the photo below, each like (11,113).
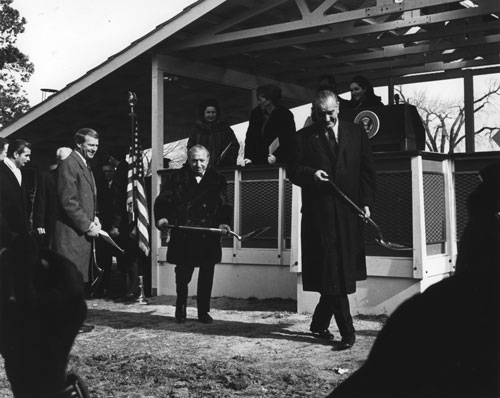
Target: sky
(66,38)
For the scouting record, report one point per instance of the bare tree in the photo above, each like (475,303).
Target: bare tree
(444,119)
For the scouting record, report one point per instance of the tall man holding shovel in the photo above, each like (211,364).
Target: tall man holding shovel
(195,195)
(333,256)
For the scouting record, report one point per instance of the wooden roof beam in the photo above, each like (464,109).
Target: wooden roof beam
(241,17)
(446,34)
(313,19)
(347,29)
(380,77)
(397,50)
(353,69)
(427,68)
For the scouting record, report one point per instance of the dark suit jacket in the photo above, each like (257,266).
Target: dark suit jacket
(333,255)
(45,205)
(183,201)
(105,204)
(76,195)
(13,212)
(261,134)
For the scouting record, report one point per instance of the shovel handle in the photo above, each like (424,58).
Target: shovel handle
(202,229)
(348,200)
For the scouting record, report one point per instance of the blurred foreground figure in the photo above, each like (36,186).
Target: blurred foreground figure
(444,343)
(42,307)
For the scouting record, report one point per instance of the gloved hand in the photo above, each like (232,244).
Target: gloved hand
(225,229)
(162,223)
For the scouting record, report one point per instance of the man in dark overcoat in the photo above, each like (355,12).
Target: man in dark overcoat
(76,224)
(13,196)
(195,195)
(333,256)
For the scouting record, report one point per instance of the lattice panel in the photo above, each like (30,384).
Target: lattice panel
(465,183)
(288,213)
(434,205)
(228,241)
(259,208)
(230,192)
(392,210)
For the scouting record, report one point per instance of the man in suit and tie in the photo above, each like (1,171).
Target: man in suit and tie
(13,192)
(333,257)
(76,224)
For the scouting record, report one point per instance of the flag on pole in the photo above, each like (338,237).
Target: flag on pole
(137,207)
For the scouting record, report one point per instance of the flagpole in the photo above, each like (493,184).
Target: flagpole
(132,99)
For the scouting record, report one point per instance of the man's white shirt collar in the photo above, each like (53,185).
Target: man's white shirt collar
(335,130)
(84,161)
(17,172)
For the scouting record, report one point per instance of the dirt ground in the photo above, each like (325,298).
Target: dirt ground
(254,348)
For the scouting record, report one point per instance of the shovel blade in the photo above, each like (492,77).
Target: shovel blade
(254,234)
(392,246)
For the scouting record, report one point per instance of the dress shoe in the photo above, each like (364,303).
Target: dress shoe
(322,334)
(347,342)
(180,313)
(205,318)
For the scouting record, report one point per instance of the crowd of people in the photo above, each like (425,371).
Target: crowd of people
(74,204)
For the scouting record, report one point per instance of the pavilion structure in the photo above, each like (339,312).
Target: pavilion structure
(225,49)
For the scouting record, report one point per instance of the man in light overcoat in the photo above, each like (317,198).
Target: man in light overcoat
(76,223)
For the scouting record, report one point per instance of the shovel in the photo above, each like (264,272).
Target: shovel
(220,231)
(380,240)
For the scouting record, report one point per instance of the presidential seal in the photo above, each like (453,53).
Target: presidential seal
(369,121)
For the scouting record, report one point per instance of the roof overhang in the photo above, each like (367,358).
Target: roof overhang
(224,49)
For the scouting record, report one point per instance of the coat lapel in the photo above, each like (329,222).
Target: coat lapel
(321,144)
(86,172)
(10,175)
(344,139)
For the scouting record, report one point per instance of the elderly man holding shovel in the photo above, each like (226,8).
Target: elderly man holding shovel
(194,198)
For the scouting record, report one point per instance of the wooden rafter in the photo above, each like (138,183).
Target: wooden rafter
(443,33)
(316,19)
(489,45)
(415,61)
(348,29)
(252,12)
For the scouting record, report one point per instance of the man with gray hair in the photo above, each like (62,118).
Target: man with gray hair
(195,195)
(333,256)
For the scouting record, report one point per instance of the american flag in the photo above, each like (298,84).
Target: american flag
(137,207)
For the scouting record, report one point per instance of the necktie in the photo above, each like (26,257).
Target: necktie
(332,140)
